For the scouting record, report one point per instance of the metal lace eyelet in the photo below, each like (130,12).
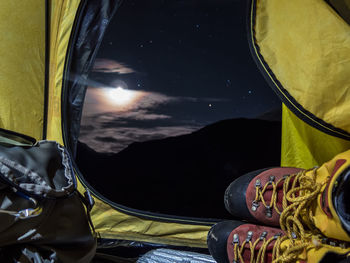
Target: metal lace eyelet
(324,240)
(258,183)
(235,239)
(255,205)
(277,235)
(263,235)
(249,236)
(268,211)
(333,243)
(343,245)
(271,179)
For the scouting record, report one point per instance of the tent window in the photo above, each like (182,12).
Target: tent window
(176,108)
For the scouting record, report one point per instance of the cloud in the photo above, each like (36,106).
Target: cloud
(140,105)
(87,127)
(109,127)
(153,99)
(99,101)
(116,139)
(140,114)
(111,66)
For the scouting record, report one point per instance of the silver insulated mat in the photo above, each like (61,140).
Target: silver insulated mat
(174,256)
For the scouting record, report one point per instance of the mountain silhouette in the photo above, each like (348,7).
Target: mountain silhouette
(184,175)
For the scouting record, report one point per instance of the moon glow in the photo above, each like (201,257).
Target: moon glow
(111,99)
(121,100)
(120,96)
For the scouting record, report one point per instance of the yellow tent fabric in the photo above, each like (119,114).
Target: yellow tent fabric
(304,48)
(113,224)
(304,146)
(22,66)
(62,20)
(108,222)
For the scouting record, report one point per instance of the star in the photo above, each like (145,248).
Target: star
(198,26)
(249,91)
(141,45)
(210,105)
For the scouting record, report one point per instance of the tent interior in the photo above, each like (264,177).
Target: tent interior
(176,109)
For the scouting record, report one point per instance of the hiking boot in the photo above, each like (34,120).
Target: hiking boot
(257,196)
(235,241)
(315,199)
(252,243)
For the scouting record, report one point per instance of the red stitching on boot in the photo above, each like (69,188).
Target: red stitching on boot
(323,198)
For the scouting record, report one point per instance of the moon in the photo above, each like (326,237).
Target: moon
(111,99)
(120,97)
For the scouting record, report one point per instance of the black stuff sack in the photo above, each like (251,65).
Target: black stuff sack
(42,215)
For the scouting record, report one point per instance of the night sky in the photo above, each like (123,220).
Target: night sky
(170,67)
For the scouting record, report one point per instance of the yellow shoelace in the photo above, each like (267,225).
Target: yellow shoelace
(259,195)
(303,191)
(260,256)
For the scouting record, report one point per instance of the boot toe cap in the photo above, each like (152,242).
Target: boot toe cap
(217,239)
(235,196)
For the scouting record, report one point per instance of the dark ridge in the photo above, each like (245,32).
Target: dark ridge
(184,175)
